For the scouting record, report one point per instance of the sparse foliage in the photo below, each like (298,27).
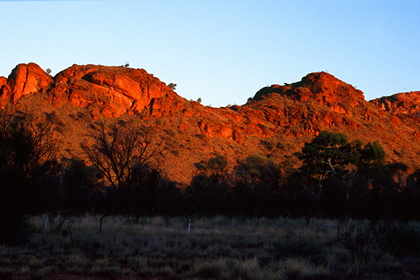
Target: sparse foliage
(117,148)
(358,239)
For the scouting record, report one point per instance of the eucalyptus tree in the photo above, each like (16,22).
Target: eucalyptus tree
(330,167)
(117,150)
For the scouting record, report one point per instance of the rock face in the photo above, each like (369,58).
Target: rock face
(318,102)
(24,79)
(107,91)
(321,88)
(276,122)
(400,103)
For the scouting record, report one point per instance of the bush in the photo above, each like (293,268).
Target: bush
(358,238)
(401,240)
(299,247)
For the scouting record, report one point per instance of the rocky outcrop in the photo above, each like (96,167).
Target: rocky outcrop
(107,91)
(407,103)
(104,91)
(318,102)
(3,83)
(323,89)
(24,79)
(276,122)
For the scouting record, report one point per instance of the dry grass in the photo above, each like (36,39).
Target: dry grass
(217,248)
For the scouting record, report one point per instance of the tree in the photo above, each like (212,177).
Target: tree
(27,159)
(208,190)
(329,154)
(78,183)
(172,86)
(331,165)
(261,169)
(258,180)
(410,197)
(143,184)
(216,168)
(119,149)
(327,157)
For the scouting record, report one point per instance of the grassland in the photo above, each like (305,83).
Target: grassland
(214,248)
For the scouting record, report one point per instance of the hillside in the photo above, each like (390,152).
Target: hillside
(276,122)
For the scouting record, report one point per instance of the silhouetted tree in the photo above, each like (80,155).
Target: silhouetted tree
(216,168)
(257,185)
(208,191)
(169,199)
(79,181)
(118,150)
(27,158)
(142,190)
(410,197)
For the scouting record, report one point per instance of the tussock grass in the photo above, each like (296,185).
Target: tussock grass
(217,248)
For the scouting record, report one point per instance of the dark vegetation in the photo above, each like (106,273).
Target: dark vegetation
(348,182)
(337,179)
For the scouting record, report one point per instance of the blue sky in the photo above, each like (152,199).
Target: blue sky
(222,51)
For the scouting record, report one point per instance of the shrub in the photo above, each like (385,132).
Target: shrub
(298,268)
(297,247)
(358,238)
(400,240)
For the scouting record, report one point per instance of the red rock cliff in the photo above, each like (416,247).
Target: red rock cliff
(24,79)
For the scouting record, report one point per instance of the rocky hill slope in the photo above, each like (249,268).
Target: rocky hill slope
(405,103)
(276,122)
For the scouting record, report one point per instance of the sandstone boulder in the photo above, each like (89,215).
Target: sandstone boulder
(26,79)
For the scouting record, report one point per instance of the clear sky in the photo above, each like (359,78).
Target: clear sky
(222,51)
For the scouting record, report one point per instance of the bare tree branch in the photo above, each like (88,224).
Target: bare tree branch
(118,148)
